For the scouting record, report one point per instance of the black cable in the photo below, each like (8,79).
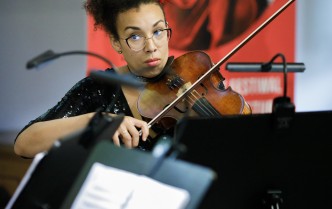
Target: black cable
(268,66)
(89,53)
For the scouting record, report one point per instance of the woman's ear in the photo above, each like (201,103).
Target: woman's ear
(116,44)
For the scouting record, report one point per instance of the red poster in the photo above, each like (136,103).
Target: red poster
(217,27)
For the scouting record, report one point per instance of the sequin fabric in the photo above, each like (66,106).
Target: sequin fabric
(88,95)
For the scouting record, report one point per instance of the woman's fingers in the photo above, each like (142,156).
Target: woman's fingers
(129,132)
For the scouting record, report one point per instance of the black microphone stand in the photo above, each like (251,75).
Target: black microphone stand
(282,107)
(98,75)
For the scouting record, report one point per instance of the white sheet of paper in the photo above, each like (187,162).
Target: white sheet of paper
(110,188)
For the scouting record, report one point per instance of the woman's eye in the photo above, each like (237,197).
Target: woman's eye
(135,37)
(157,32)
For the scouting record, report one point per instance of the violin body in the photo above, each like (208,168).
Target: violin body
(208,99)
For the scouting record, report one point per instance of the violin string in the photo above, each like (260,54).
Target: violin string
(196,100)
(200,104)
(206,110)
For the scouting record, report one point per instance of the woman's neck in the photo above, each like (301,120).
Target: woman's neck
(141,78)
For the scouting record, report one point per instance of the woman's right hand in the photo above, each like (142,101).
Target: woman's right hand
(129,132)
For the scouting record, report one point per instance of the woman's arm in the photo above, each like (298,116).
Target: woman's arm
(40,136)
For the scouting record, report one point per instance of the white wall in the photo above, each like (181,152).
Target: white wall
(314,48)
(31,27)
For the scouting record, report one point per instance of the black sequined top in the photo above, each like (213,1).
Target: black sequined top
(86,96)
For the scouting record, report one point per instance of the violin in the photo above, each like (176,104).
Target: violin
(191,85)
(209,99)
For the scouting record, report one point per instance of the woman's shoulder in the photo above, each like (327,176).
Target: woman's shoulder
(90,81)
(88,90)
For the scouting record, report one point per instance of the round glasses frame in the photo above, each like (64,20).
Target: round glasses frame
(169,34)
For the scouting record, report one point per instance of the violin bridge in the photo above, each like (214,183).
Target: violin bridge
(183,88)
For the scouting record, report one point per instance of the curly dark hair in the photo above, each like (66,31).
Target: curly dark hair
(105,12)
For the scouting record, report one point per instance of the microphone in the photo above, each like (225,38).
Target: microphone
(44,57)
(114,78)
(264,67)
(50,55)
(102,76)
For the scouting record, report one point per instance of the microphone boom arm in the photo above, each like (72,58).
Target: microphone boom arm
(50,55)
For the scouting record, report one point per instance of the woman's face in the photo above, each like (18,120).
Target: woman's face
(146,21)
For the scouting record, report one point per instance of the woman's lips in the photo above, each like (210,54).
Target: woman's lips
(152,62)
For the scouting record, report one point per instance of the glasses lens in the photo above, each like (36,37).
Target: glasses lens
(136,44)
(159,38)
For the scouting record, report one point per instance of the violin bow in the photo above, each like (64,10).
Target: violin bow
(216,66)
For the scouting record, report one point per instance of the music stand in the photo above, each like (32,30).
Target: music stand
(196,179)
(56,179)
(259,166)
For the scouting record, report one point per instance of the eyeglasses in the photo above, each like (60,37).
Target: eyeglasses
(137,42)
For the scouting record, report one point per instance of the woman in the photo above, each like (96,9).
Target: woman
(138,30)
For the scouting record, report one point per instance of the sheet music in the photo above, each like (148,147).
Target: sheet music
(106,187)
